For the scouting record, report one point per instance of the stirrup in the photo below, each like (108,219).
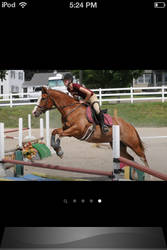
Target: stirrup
(105,129)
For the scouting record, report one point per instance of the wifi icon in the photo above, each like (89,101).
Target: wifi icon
(22,4)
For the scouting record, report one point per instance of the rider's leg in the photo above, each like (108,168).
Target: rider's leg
(99,114)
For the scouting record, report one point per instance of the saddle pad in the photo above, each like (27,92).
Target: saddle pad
(107,117)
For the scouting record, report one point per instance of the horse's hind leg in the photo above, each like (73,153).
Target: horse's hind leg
(134,142)
(139,150)
(123,151)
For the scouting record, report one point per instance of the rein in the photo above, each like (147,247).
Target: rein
(72,110)
(60,107)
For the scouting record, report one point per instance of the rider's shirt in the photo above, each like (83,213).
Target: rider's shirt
(76,90)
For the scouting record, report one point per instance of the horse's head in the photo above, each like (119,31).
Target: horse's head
(44,103)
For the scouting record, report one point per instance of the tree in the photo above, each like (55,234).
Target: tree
(3,74)
(108,78)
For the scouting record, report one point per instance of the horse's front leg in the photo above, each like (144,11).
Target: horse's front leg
(56,144)
(72,131)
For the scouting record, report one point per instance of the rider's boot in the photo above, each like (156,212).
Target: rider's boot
(100,118)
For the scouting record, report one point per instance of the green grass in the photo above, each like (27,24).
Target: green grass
(10,117)
(151,114)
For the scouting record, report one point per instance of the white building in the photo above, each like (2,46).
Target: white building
(38,80)
(13,83)
(151,78)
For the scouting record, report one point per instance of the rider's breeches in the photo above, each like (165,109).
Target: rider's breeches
(96,104)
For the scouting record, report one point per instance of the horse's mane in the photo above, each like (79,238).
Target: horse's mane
(71,99)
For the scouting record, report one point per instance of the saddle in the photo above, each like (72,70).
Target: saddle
(91,116)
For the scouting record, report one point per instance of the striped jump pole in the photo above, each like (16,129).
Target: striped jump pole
(19,138)
(29,126)
(14,130)
(21,129)
(144,169)
(47,130)
(41,128)
(20,132)
(116,150)
(2,150)
(29,136)
(56,167)
(117,159)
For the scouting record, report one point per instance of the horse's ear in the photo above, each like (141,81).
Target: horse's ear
(44,90)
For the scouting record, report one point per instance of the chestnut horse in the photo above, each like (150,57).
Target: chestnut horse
(75,124)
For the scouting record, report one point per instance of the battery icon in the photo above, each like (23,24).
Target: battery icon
(159,5)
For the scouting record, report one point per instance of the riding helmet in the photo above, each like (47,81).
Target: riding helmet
(68,76)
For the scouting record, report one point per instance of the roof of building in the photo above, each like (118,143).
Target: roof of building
(38,79)
(148,71)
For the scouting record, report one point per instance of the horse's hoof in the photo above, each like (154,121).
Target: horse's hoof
(57,143)
(60,153)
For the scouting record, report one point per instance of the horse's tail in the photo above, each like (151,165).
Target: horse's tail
(140,141)
(117,122)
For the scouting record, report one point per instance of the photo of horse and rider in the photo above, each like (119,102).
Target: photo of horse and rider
(87,114)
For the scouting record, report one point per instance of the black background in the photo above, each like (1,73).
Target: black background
(117,35)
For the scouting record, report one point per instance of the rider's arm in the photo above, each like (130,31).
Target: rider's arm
(87,92)
(76,97)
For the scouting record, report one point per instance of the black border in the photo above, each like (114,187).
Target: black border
(123,204)
(127,39)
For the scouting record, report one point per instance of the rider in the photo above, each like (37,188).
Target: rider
(87,96)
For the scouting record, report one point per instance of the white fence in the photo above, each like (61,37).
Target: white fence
(133,94)
(18,99)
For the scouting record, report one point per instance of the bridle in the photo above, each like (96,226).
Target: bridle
(45,108)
